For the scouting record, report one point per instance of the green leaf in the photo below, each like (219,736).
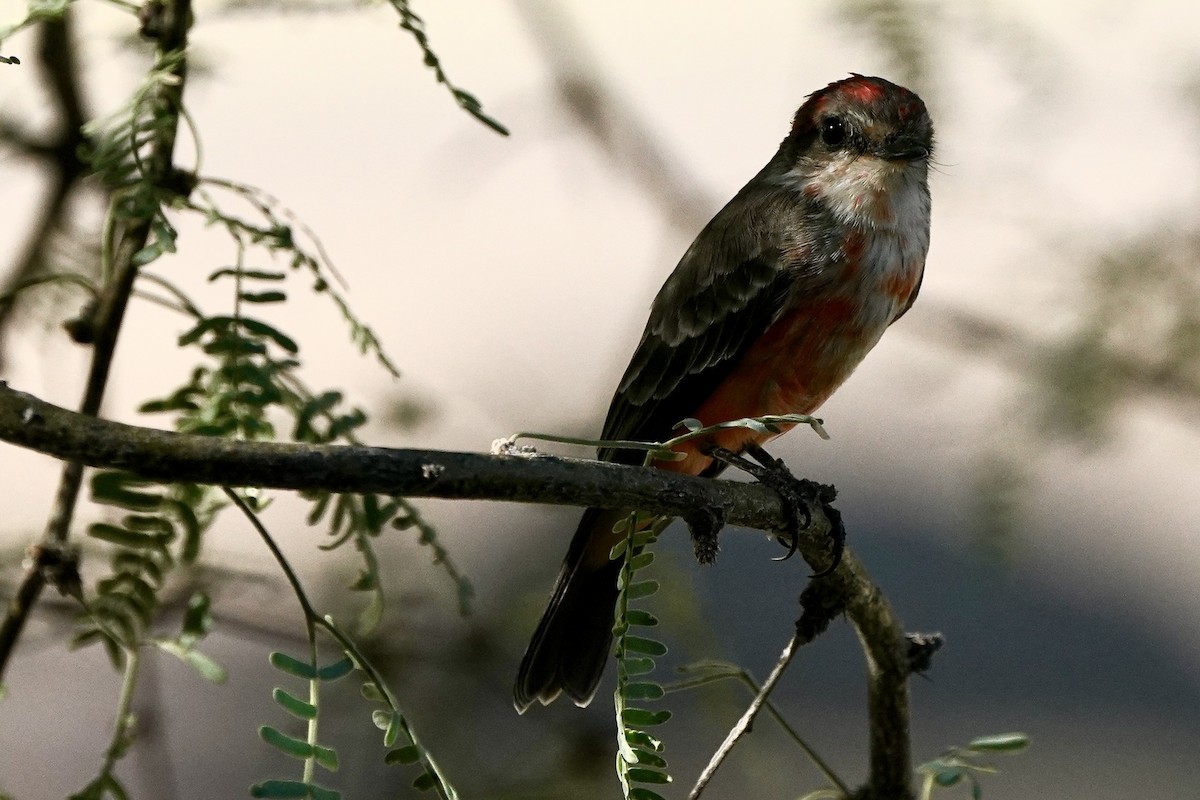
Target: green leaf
(346,423)
(650,647)
(641,561)
(263,297)
(197,621)
(320,501)
(338,669)
(123,537)
(371,692)
(280,789)
(147,523)
(644,717)
(252,274)
(263,329)
(643,691)
(644,775)
(148,253)
(124,611)
(232,346)
(635,616)
(194,334)
(393,729)
(642,793)
(116,488)
(141,563)
(409,754)
(424,782)
(326,757)
(638,666)
(294,705)
(285,663)
(948,777)
(321,793)
(644,538)
(648,758)
(636,591)
(999,743)
(289,745)
(208,669)
(380,717)
(643,741)
(468,100)
(131,584)
(191,532)
(495,125)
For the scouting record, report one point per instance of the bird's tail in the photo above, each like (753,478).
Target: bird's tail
(571,645)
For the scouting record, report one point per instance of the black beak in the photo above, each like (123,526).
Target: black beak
(906,147)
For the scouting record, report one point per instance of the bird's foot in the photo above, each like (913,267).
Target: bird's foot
(798,495)
(921,647)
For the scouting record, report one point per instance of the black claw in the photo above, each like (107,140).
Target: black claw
(796,495)
(793,546)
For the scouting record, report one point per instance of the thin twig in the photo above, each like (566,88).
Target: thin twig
(110,314)
(743,725)
(312,621)
(743,677)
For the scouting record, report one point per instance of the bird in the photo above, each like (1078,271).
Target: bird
(770,309)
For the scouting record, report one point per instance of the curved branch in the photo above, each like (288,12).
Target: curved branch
(32,423)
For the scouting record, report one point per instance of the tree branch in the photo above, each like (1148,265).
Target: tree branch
(168,23)
(32,423)
(176,457)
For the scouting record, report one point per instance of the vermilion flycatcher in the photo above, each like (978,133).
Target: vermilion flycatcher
(768,312)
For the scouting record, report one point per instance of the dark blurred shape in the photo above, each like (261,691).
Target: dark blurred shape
(410,411)
(56,151)
(1139,335)
(1001,480)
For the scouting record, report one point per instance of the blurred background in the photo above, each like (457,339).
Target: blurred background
(1018,461)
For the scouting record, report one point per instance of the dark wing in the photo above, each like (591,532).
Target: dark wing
(703,320)
(912,298)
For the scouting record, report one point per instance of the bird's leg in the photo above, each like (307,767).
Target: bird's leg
(796,493)
(704,524)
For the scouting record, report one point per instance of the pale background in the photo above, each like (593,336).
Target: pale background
(510,277)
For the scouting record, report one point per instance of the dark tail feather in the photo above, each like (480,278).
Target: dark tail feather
(571,645)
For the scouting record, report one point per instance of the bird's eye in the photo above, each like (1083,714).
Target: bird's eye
(833,131)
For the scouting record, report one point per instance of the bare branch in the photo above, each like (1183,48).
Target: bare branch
(174,457)
(29,422)
(747,719)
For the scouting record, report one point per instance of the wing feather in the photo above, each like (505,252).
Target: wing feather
(692,341)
